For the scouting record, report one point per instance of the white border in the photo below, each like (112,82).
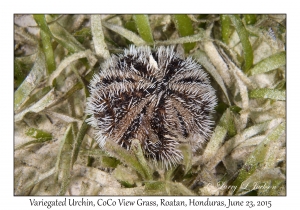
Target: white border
(8,8)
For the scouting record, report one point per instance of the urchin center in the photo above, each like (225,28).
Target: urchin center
(161,86)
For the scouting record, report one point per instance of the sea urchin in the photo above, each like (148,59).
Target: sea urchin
(156,97)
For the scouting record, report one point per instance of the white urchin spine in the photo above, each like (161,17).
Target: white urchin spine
(156,97)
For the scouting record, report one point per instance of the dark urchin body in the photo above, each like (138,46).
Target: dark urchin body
(156,97)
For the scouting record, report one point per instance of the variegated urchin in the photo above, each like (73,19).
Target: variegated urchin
(156,97)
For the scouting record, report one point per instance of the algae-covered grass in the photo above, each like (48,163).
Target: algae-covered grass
(56,152)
